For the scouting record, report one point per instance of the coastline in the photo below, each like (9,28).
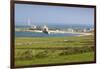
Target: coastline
(55,32)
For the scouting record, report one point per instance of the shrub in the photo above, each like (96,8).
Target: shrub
(75,50)
(25,55)
(42,54)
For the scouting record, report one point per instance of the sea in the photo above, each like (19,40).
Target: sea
(60,27)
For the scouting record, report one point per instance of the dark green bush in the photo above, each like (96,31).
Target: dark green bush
(75,50)
(25,55)
(42,54)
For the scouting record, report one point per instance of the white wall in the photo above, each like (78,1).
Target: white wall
(5,34)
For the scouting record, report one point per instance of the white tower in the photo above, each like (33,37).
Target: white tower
(29,22)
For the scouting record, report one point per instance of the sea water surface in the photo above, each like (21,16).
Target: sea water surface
(37,34)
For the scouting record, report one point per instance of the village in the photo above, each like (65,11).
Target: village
(45,29)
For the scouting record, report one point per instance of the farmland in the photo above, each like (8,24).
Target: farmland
(53,50)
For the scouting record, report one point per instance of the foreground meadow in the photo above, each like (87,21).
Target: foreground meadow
(53,50)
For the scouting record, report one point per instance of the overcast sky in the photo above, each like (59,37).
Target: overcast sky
(42,14)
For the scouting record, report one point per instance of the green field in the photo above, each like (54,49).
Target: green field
(51,50)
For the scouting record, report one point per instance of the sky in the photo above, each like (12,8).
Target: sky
(43,14)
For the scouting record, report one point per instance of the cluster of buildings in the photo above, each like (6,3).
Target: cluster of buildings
(80,30)
(45,28)
(34,27)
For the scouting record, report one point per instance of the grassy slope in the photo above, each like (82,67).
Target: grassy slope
(52,42)
(61,59)
(44,42)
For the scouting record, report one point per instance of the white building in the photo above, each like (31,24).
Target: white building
(33,27)
(84,30)
(45,28)
(70,30)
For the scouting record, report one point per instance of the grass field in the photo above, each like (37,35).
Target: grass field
(51,50)
(56,60)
